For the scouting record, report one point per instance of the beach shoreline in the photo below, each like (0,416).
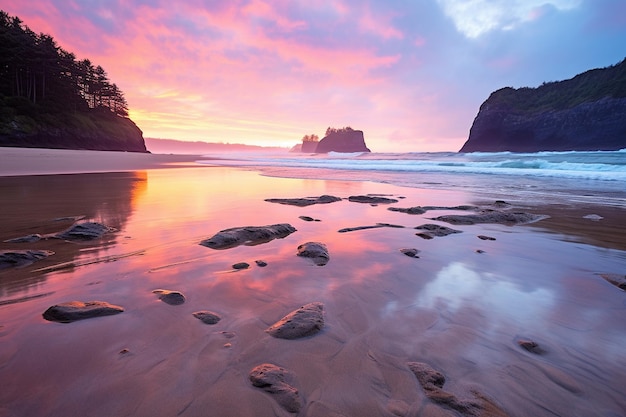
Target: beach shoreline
(40,161)
(463,304)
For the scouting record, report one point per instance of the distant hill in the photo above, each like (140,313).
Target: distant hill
(172,146)
(49,99)
(587,112)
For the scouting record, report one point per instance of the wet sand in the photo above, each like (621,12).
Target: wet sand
(458,310)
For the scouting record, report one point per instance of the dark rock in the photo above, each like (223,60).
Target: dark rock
(207,317)
(78,310)
(25,239)
(305,321)
(480,251)
(249,235)
(305,201)
(490,216)
(170,297)
(19,258)
(306,218)
(318,252)
(410,252)
(409,210)
(426,375)
(432,382)
(531,346)
(548,119)
(616,279)
(277,381)
(260,263)
(371,199)
(376,226)
(241,265)
(84,231)
(344,140)
(434,230)
(483,237)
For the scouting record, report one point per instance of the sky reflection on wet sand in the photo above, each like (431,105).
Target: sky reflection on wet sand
(460,310)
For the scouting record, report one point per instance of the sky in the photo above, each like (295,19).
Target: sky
(411,74)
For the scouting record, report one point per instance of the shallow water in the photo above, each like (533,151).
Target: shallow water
(456,309)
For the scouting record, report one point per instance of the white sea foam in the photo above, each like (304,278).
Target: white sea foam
(601,166)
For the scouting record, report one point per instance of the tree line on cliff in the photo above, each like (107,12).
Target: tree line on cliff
(589,86)
(50,99)
(35,70)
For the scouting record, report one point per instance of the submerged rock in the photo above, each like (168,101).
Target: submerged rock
(277,381)
(371,199)
(424,209)
(483,237)
(19,258)
(531,346)
(261,263)
(318,252)
(207,317)
(306,201)
(248,235)
(78,310)
(434,230)
(490,216)
(170,297)
(616,279)
(36,237)
(410,252)
(305,321)
(376,226)
(84,231)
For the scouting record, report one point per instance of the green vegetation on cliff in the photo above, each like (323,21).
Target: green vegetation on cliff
(50,99)
(589,86)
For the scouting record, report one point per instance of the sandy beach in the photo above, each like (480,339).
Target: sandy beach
(462,305)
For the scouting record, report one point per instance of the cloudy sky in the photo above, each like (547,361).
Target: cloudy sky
(410,73)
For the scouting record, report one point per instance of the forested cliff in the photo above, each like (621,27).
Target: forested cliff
(587,112)
(49,99)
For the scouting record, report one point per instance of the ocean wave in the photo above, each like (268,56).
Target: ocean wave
(605,166)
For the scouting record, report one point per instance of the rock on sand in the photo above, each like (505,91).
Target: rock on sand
(84,231)
(434,230)
(78,310)
(277,381)
(490,216)
(248,235)
(207,317)
(306,201)
(170,297)
(316,251)
(17,258)
(432,381)
(305,321)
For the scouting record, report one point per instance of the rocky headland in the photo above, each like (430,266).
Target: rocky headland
(585,113)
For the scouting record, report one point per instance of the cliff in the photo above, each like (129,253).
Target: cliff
(343,140)
(587,112)
(98,129)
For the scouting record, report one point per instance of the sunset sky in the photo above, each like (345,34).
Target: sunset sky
(411,74)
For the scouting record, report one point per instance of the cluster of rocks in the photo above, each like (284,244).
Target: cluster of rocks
(78,232)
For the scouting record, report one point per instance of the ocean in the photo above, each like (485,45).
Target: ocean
(558,177)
